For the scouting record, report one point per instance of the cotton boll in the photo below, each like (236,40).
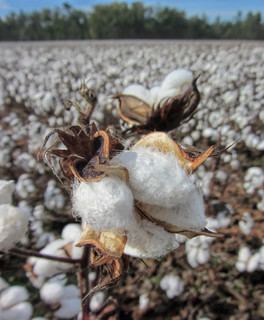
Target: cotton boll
(155,178)
(45,268)
(13,225)
(203,255)
(21,311)
(244,255)
(246,223)
(6,191)
(172,285)
(71,291)
(140,92)
(186,216)
(105,205)
(143,302)
(51,292)
(69,308)
(71,231)
(148,240)
(192,258)
(253,262)
(154,93)
(97,301)
(13,295)
(175,83)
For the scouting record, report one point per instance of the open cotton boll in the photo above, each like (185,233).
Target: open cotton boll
(172,285)
(140,92)
(46,268)
(244,254)
(187,216)
(13,225)
(6,191)
(97,301)
(51,292)
(148,240)
(69,308)
(21,311)
(155,178)
(105,205)
(13,295)
(176,83)
(71,231)
(154,93)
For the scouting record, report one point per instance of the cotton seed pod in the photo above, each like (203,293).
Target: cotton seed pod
(13,225)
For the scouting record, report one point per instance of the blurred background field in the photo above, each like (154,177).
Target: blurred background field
(218,280)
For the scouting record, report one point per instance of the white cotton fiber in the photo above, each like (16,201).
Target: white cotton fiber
(156,178)
(105,205)
(69,308)
(186,216)
(140,92)
(13,225)
(6,191)
(13,295)
(51,292)
(47,268)
(71,231)
(148,240)
(172,285)
(175,83)
(21,311)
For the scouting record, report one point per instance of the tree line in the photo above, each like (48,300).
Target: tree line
(123,21)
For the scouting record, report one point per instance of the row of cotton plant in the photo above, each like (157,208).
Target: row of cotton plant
(152,181)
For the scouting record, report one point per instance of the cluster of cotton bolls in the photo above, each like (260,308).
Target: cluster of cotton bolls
(13,302)
(248,262)
(64,247)
(64,299)
(254,179)
(53,197)
(198,248)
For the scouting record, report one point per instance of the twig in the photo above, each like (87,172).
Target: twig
(28,253)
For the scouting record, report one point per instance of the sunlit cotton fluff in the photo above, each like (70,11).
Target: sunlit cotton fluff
(148,240)
(13,225)
(105,205)
(156,178)
(175,83)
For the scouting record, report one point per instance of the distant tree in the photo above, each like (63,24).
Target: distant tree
(120,20)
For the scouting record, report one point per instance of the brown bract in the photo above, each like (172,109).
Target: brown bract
(86,158)
(168,115)
(87,152)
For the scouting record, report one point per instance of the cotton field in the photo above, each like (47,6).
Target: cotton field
(204,278)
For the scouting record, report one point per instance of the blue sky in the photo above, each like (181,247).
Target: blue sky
(226,9)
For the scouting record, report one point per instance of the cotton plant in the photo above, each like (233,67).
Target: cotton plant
(132,199)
